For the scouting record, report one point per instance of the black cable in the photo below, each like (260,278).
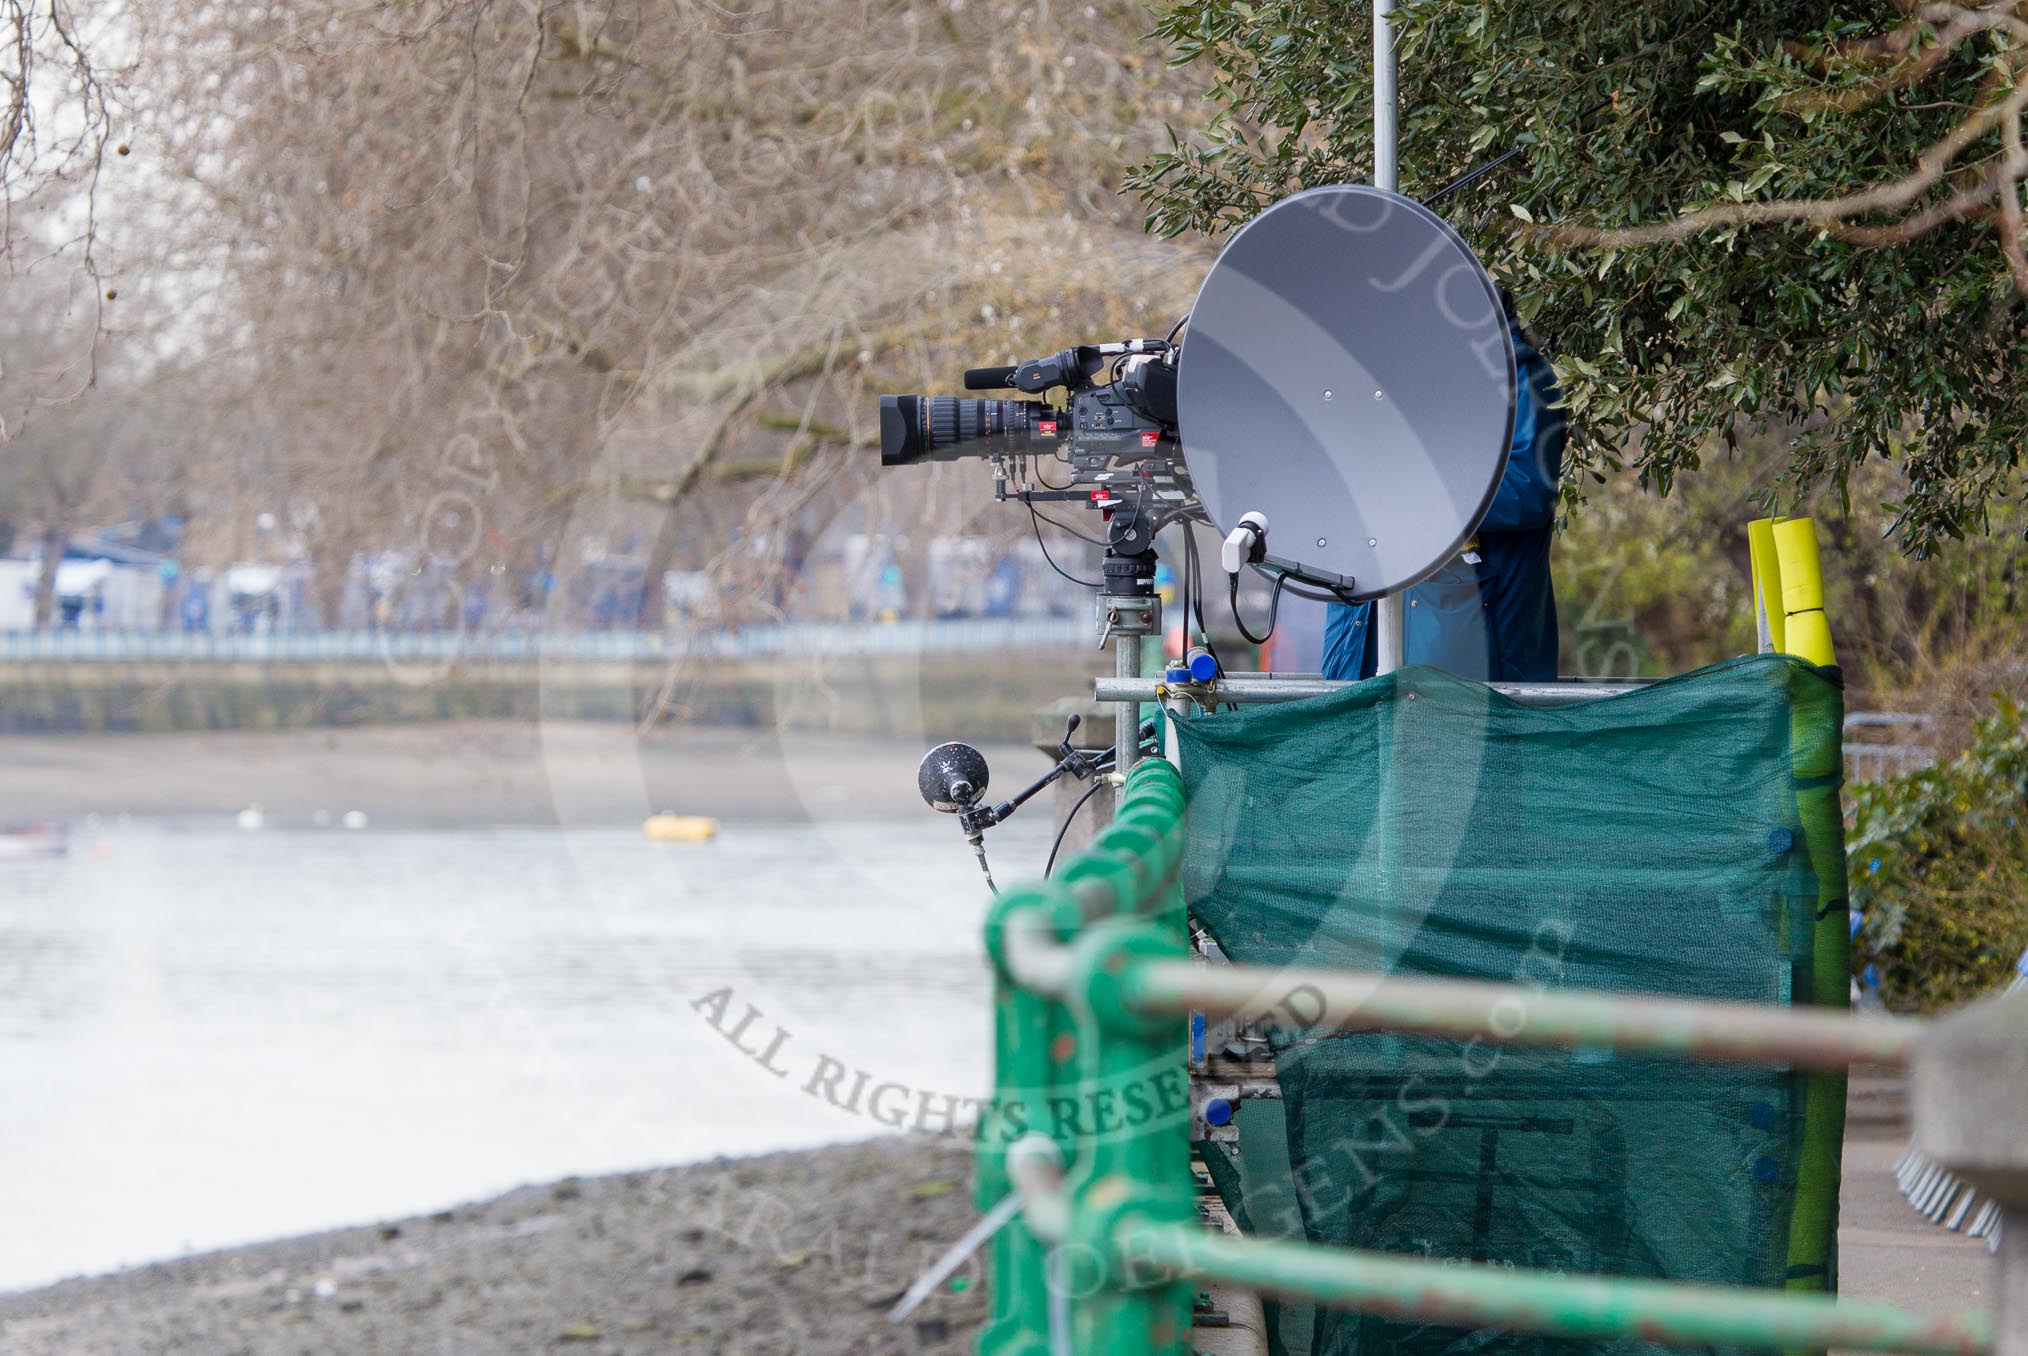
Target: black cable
(1471,177)
(979,847)
(1321,593)
(1063,831)
(1064,527)
(1274,609)
(1173,329)
(1193,568)
(1036,519)
(1045,479)
(1193,604)
(1467,180)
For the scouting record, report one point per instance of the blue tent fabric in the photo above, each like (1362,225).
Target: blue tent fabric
(1494,619)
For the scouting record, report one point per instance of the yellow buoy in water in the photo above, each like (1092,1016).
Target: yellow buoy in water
(680,828)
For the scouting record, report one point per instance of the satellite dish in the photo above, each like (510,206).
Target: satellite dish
(1349,374)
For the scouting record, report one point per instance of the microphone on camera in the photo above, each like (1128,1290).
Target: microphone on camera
(989,378)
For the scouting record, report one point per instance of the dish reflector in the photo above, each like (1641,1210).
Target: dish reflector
(1348,373)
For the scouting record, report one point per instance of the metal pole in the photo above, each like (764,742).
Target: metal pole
(1127,718)
(1386,106)
(1504,1014)
(1387,622)
(1387,612)
(1430,1290)
(1341,1000)
(1243,689)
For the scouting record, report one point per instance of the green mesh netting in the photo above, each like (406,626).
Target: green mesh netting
(1684,839)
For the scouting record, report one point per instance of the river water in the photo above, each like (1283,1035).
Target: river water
(211,1036)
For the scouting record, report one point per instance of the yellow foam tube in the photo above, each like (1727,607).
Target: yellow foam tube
(1805,631)
(1767,584)
(680,828)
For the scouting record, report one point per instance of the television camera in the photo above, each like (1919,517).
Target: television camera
(1339,411)
(1115,442)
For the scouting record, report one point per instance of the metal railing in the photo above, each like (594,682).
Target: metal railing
(1883,744)
(790,640)
(1088,1126)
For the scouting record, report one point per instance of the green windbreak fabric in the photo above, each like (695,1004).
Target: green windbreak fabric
(1683,839)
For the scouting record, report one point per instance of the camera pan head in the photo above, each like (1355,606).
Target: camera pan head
(1349,373)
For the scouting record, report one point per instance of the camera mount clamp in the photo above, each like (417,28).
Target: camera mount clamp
(1128,609)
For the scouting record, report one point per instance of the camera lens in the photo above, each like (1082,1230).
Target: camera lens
(916,428)
(901,440)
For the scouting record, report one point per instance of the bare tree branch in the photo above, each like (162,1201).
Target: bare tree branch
(1993,195)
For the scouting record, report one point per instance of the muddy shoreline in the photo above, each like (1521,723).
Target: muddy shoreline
(795,1253)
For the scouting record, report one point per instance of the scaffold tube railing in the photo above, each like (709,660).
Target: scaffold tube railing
(1089,1124)
(1498,1297)
(1298,997)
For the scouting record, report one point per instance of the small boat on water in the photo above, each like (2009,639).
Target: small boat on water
(668,828)
(20,842)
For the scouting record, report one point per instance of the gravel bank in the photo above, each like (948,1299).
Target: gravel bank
(787,1255)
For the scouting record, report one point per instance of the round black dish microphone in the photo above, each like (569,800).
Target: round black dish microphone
(952,777)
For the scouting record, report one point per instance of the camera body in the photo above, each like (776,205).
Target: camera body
(1128,420)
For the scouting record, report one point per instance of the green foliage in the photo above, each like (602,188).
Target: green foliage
(1651,587)
(1657,586)
(1630,114)
(1939,865)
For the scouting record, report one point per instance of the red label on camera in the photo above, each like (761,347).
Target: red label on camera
(1149,438)
(1047,426)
